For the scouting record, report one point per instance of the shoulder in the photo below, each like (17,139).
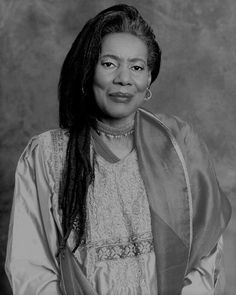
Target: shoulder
(182,133)
(46,143)
(191,144)
(45,152)
(44,156)
(173,125)
(54,138)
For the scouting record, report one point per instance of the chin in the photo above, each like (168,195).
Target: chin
(120,114)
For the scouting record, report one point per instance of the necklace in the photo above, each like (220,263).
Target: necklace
(115,132)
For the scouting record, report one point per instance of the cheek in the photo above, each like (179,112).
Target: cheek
(99,87)
(142,82)
(142,85)
(98,95)
(101,80)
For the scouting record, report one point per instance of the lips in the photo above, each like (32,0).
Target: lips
(120,97)
(121,94)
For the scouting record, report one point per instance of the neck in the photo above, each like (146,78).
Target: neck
(117,123)
(120,140)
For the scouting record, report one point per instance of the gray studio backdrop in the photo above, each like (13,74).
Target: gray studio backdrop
(197,82)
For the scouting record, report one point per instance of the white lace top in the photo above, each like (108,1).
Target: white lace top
(118,257)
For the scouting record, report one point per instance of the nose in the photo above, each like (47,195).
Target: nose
(123,76)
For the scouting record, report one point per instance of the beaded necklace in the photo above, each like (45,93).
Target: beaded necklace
(115,132)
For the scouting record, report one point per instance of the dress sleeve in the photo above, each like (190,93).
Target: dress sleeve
(211,214)
(31,265)
(208,278)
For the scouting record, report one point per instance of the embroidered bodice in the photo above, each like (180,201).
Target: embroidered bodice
(118,257)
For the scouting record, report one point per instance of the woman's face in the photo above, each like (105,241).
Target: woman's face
(121,77)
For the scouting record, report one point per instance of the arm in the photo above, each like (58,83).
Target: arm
(208,278)
(209,210)
(30,264)
(211,213)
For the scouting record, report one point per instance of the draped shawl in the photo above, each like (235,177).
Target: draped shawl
(188,210)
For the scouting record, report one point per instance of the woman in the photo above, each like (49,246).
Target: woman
(117,201)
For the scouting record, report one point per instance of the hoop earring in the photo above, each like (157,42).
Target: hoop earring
(148,95)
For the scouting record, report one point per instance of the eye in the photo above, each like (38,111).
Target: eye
(108,64)
(137,68)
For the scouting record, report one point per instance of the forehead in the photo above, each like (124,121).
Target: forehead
(124,45)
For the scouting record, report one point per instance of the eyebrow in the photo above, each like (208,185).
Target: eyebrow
(135,59)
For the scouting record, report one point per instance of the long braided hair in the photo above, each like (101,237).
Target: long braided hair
(78,110)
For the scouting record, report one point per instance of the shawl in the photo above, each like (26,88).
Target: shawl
(188,210)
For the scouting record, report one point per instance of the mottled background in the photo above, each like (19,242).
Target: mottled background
(197,82)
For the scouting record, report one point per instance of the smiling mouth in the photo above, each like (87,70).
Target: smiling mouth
(121,94)
(120,97)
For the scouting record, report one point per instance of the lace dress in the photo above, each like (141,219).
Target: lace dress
(118,256)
